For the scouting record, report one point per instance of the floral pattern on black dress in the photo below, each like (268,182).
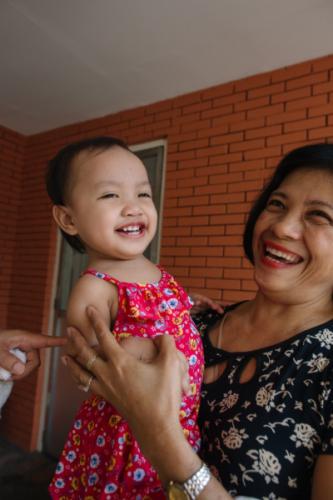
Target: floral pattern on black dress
(261,438)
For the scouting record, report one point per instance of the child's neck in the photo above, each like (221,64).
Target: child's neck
(137,270)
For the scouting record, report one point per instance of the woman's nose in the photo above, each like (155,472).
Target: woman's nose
(288,226)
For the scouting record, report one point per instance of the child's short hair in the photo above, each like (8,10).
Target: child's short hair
(58,173)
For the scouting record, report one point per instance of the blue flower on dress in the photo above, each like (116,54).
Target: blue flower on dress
(100,441)
(71,456)
(163,306)
(160,325)
(101,405)
(194,329)
(100,275)
(93,479)
(168,292)
(94,460)
(173,303)
(193,359)
(110,488)
(60,483)
(78,424)
(139,474)
(121,440)
(59,468)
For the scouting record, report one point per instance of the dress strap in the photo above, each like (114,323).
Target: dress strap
(102,276)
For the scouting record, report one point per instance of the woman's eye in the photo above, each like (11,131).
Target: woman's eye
(275,204)
(320,217)
(144,195)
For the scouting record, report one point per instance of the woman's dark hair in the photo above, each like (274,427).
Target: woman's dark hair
(314,156)
(59,170)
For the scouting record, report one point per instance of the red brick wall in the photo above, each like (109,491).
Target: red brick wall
(223,142)
(11,163)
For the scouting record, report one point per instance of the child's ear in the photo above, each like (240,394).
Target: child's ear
(62,216)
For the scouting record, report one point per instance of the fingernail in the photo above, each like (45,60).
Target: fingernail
(64,360)
(18,369)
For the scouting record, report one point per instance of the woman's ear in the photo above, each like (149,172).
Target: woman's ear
(62,216)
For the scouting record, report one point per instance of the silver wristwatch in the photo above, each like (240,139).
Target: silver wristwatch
(192,487)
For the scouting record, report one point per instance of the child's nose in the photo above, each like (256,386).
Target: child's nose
(131,208)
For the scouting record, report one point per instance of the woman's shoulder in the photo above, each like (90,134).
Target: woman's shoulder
(205,320)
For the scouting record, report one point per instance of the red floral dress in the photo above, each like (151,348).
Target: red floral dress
(101,458)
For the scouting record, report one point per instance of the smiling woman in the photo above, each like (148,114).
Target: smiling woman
(266,412)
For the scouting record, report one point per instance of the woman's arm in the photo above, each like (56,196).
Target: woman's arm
(148,395)
(322,486)
(28,342)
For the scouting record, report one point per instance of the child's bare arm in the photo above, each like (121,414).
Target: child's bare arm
(89,291)
(102,295)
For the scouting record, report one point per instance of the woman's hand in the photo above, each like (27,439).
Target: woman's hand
(28,342)
(147,395)
(201,303)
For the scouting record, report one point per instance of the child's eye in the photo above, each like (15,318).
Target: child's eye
(144,195)
(320,217)
(109,195)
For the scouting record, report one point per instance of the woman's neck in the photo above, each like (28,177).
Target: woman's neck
(289,317)
(263,322)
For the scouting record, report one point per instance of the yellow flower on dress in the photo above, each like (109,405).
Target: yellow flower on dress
(75,483)
(91,425)
(111,464)
(77,439)
(114,419)
(193,344)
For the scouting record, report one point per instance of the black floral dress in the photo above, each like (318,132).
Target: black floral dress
(261,438)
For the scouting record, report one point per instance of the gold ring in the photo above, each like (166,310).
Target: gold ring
(86,388)
(90,362)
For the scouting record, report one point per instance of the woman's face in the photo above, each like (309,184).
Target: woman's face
(293,239)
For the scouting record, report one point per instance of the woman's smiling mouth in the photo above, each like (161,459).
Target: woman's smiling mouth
(279,256)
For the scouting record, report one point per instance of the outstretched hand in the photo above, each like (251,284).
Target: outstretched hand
(147,395)
(28,342)
(202,302)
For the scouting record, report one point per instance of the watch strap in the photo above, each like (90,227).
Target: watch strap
(196,483)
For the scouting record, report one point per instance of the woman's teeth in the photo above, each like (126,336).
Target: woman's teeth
(273,253)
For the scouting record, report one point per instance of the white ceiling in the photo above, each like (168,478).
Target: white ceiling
(64,61)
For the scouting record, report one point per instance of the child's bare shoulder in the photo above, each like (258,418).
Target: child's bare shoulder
(91,288)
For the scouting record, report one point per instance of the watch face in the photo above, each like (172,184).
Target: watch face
(176,492)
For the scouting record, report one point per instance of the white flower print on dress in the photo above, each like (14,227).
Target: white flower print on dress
(292,482)
(229,400)
(233,438)
(304,435)
(289,456)
(265,397)
(326,338)
(266,464)
(318,363)
(272,496)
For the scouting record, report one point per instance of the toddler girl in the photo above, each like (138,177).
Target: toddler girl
(103,205)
